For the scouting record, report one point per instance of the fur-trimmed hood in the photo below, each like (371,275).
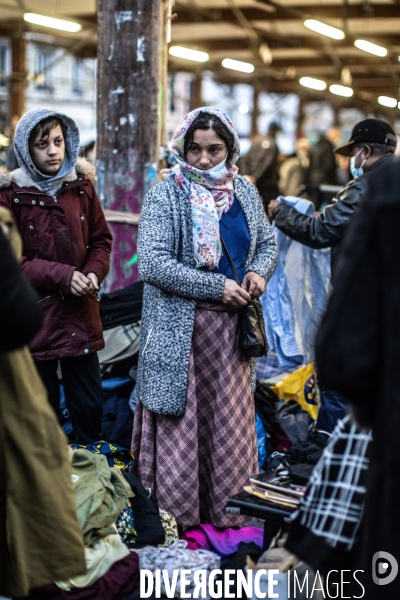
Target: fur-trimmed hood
(49,184)
(22,178)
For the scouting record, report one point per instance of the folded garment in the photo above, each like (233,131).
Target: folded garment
(125,525)
(223,541)
(118,583)
(294,420)
(117,456)
(121,307)
(120,342)
(101,494)
(148,526)
(170,527)
(99,559)
(176,557)
(117,420)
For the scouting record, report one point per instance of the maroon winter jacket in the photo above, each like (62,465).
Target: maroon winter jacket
(61,234)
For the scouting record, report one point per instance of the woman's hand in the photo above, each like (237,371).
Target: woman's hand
(234,294)
(254,284)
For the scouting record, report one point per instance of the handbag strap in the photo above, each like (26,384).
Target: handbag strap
(230,261)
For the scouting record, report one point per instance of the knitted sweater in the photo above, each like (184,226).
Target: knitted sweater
(173,285)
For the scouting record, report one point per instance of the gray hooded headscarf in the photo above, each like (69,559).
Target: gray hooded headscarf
(48,184)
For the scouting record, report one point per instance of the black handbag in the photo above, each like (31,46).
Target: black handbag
(252,336)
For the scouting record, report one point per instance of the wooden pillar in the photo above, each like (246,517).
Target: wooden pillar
(128,126)
(300,117)
(336,114)
(165,33)
(256,111)
(17,78)
(196,99)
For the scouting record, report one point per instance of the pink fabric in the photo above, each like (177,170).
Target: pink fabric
(222,541)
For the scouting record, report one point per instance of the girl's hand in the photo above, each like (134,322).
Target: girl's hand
(94,282)
(80,284)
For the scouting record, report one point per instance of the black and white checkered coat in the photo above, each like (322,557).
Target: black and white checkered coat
(333,505)
(325,527)
(173,285)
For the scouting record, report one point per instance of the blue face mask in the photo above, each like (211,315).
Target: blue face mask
(356,171)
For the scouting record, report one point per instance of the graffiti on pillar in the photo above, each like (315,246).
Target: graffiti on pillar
(127,185)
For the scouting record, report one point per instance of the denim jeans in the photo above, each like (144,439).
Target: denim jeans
(333,407)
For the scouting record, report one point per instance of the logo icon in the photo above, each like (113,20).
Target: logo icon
(384,568)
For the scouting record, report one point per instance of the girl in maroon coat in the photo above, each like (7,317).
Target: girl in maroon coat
(66,256)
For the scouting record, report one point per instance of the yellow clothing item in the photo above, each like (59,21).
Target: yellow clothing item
(299,386)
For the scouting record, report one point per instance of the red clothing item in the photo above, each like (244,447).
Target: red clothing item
(117,584)
(61,234)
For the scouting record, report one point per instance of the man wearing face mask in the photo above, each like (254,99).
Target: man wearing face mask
(371,146)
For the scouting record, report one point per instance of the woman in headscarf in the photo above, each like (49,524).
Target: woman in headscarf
(194,431)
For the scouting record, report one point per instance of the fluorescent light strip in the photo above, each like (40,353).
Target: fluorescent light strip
(371,48)
(341,90)
(188,54)
(323,29)
(52,23)
(314,84)
(387,101)
(237,65)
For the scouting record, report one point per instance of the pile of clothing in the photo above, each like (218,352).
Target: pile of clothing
(101,494)
(123,530)
(120,313)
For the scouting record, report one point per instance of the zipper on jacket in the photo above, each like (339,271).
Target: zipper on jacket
(43,194)
(40,194)
(44,299)
(62,295)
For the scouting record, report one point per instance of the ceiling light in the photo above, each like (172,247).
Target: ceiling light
(314,84)
(53,23)
(323,29)
(371,48)
(188,54)
(237,65)
(243,108)
(265,53)
(341,90)
(387,101)
(346,77)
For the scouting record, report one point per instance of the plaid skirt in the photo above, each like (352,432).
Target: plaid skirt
(194,463)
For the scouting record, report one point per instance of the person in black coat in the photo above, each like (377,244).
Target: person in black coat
(358,351)
(371,147)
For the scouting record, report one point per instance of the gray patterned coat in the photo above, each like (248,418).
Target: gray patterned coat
(173,285)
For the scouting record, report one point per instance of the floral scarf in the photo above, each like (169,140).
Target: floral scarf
(211,193)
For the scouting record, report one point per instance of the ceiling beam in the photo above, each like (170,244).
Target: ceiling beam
(282,13)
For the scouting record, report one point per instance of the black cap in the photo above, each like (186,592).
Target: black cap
(369,131)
